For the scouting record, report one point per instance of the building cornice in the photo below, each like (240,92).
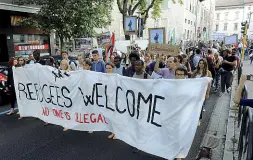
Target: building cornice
(18,8)
(228,7)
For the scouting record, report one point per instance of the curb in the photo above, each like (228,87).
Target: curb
(231,136)
(215,134)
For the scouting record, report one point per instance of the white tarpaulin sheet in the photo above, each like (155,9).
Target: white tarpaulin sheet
(157,116)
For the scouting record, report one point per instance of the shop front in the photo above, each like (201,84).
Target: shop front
(25,44)
(18,41)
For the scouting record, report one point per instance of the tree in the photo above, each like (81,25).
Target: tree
(129,8)
(70,18)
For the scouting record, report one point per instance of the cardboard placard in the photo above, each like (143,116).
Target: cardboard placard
(165,49)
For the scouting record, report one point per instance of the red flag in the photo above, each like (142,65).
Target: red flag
(113,39)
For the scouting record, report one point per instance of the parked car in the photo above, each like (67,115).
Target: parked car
(4,98)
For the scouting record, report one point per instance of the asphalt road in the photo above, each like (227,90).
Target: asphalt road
(29,139)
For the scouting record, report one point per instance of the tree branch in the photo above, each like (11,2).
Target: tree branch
(136,6)
(147,11)
(149,7)
(125,6)
(119,6)
(130,8)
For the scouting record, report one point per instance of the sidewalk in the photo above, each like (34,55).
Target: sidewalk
(232,134)
(222,133)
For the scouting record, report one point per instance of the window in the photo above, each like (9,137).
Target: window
(188,21)
(236,26)
(226,16)
(248,16)
(216,27)
(25,44)
(225,27)
(236,15)
(191,22)
(218,16)
(185,20)
(188,34)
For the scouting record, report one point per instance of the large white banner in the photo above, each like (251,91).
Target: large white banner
(158,116)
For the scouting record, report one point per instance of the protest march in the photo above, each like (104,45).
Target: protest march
(151,118)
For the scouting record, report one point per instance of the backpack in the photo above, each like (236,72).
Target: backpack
(191,62)
(145,76)
(123,71)
(74,63)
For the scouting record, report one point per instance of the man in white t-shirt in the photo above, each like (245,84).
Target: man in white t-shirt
(118,69)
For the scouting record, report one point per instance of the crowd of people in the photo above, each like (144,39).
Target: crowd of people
(195,63)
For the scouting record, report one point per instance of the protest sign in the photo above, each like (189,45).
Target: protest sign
(83,43)
(231,39)
(165,49)
(158,116)
(104,39)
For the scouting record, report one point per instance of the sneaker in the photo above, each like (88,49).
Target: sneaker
(229,90)
(221,94)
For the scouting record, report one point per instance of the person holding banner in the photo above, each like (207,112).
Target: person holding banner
(130,71)
(87,65)
(166,73)
(139,71)
(202,71)
(97,65)
(80,62)
(181,73)
(118,69)
(10,84)
(109,69)
(64,66)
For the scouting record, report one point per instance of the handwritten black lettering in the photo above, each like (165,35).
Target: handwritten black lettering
(133,102)
(90,98)
(51,95)
(64,88)
(21,89)
(106,100)
(141,97)
(97,95)
(30,93)
(58,96)
(116,101)
(155,111)
(48,99)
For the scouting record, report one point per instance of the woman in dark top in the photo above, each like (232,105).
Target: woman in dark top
(10,84)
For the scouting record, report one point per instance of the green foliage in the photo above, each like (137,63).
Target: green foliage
(143,6)
(71,18)
(129,8)
(156,12)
